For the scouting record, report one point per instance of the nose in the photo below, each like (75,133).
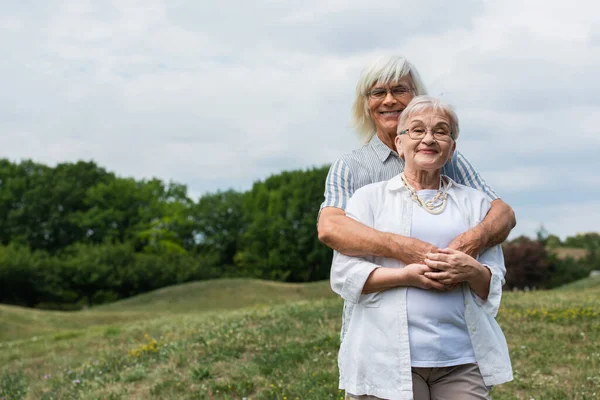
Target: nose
(389,99)
(428,138)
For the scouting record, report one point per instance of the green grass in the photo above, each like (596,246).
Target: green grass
(281,351)
(196,297)
(221,294)
(25,323)
(585,283)
(573,252)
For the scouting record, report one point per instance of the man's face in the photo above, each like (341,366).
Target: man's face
(385,108)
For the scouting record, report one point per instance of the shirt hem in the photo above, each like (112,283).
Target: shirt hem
(440,364)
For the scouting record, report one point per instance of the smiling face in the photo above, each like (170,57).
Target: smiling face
(385,111)
(427,153)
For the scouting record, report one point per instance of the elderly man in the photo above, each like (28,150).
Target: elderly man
(383,91)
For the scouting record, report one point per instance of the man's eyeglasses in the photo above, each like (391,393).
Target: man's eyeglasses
(396,91)
(439,134)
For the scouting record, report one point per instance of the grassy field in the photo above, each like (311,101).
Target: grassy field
(564,252)
(190,298)
(283,345)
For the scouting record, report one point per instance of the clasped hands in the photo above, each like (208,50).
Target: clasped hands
(443,269)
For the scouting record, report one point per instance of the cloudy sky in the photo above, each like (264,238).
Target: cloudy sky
(217,95)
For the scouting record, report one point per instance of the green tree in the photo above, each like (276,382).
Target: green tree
(37,202)
(219,223)
(281,239)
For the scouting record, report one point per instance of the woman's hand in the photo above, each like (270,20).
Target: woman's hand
(453,267)
(416,275)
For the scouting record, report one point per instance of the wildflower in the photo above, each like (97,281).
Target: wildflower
(77,381)
(47,376)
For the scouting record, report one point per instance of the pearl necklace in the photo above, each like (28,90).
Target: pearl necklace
(435,206)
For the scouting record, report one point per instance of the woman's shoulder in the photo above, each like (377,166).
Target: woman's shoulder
(473,201)
(467,191)
(371,190)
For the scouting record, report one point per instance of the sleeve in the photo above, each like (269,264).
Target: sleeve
(493,258)
(349,274)
(464,173)
(339,186)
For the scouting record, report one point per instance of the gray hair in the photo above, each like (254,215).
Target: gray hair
(383,71)
(420,104)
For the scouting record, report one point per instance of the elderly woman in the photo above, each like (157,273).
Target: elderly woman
(423,330)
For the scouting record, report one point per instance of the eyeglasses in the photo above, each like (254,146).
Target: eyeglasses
(396,91)
(439,134)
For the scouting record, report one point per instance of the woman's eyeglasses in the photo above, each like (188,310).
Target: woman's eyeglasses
(439,134)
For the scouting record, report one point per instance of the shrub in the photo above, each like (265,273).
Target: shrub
(528,264)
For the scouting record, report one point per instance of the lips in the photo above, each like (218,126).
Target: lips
(427,151)
(390,115)
(395,113)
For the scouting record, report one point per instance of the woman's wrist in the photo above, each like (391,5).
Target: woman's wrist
(481,274)
(403,277)
(480,280)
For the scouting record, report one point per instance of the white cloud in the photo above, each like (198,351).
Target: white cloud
(217,95)
(567,219)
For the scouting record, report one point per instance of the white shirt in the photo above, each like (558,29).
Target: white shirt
(374,355)
(437,331)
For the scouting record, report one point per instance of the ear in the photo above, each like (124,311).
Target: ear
(452,150)
(399,149)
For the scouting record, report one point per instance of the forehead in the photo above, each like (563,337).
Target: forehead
(404,81)
(429,116)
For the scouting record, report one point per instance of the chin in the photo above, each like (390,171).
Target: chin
(389,126)
(431,167)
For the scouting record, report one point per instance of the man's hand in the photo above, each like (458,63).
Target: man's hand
(493,230)
(470,242)
(412,251)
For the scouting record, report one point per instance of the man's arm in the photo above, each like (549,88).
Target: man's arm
(493,230)
(497,224)
(352,276)
(352,238)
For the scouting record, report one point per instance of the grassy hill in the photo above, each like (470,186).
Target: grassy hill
(279,351)
(585,283)
(24,323)
(220,294)
(573,252)
(195,297)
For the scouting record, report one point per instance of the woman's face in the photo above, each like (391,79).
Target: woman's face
(385,111)
(427,153)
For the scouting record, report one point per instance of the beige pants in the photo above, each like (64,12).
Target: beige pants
(462,382)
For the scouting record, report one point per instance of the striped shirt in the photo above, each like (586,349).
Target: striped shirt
(376,162)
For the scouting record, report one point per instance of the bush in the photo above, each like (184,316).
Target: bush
(28,277)
(528,264)
(86,274)
(567,270)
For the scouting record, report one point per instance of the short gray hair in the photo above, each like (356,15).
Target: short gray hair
(382,71)
(428,103)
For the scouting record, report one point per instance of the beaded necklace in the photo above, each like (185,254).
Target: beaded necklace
(435,206)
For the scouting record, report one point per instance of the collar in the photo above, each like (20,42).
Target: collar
(380,148)
(395,183)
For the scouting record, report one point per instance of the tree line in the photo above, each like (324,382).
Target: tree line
(76,234)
